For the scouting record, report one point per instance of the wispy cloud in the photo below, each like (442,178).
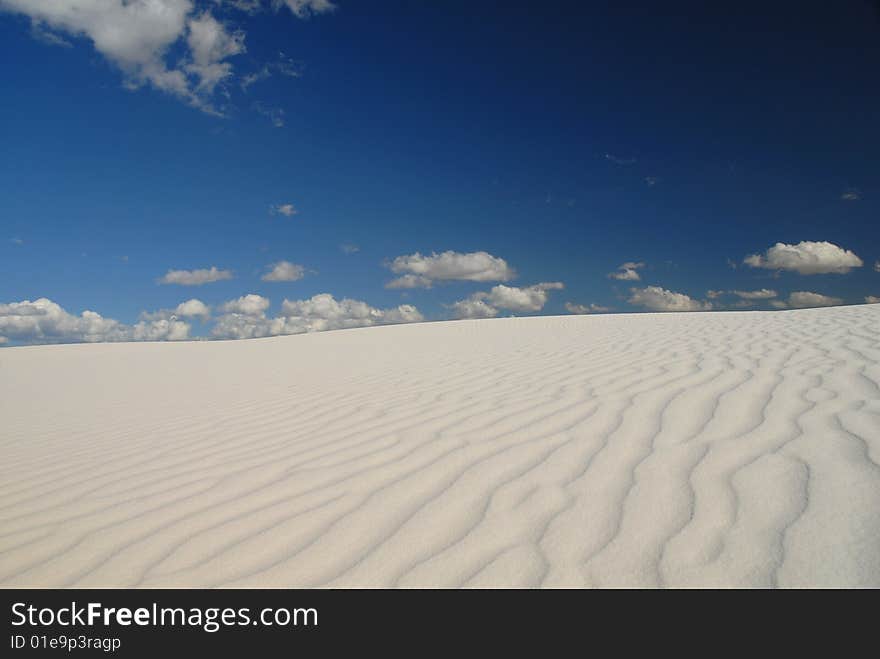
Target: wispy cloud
(617,160)
(175,46)
(287,210)
(273,114)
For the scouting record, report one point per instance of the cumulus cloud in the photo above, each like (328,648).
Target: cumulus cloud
(318,313)
(473,308)
(486,304)
(195,277)
(283,209)
(410,281)
(447,266)
(627,271)
(190,309)
(655,298)
(877,266)
(531,298)
(872,299)
(249,305)
(349,248)
(806,258)
(762,294)
(805,299)
(44,321)
(284,271)
(851,194)
(584,308)
(193,308)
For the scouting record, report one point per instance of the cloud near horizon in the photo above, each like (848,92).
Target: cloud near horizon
(585,309)
(511,298)
(246,317)
(806,258)
(655,298)
(44,321)
(806,300)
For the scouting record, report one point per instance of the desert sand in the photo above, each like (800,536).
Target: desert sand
(737,449)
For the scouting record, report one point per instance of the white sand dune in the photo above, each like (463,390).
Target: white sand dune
(710,449)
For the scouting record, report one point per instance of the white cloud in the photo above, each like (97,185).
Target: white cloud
(447,266)
(762,294)
(209,45)
(851,194)
(193,309)
(44,321)
(318,313)
(486,304)
(160,330)
(410,281)
(712,295)
(349,248)
(872,299)
(531,298)
(274,115)
(195,277)
(876,266)
(16,241)
(627,271)
(655,298)
(176,46)
(190,309)
(283,209)
(584,309)
(284,271)
(806,258)
(134,35)
(473,308)
(805,299)
(250,305)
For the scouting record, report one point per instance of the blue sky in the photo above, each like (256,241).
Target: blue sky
(531,143)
